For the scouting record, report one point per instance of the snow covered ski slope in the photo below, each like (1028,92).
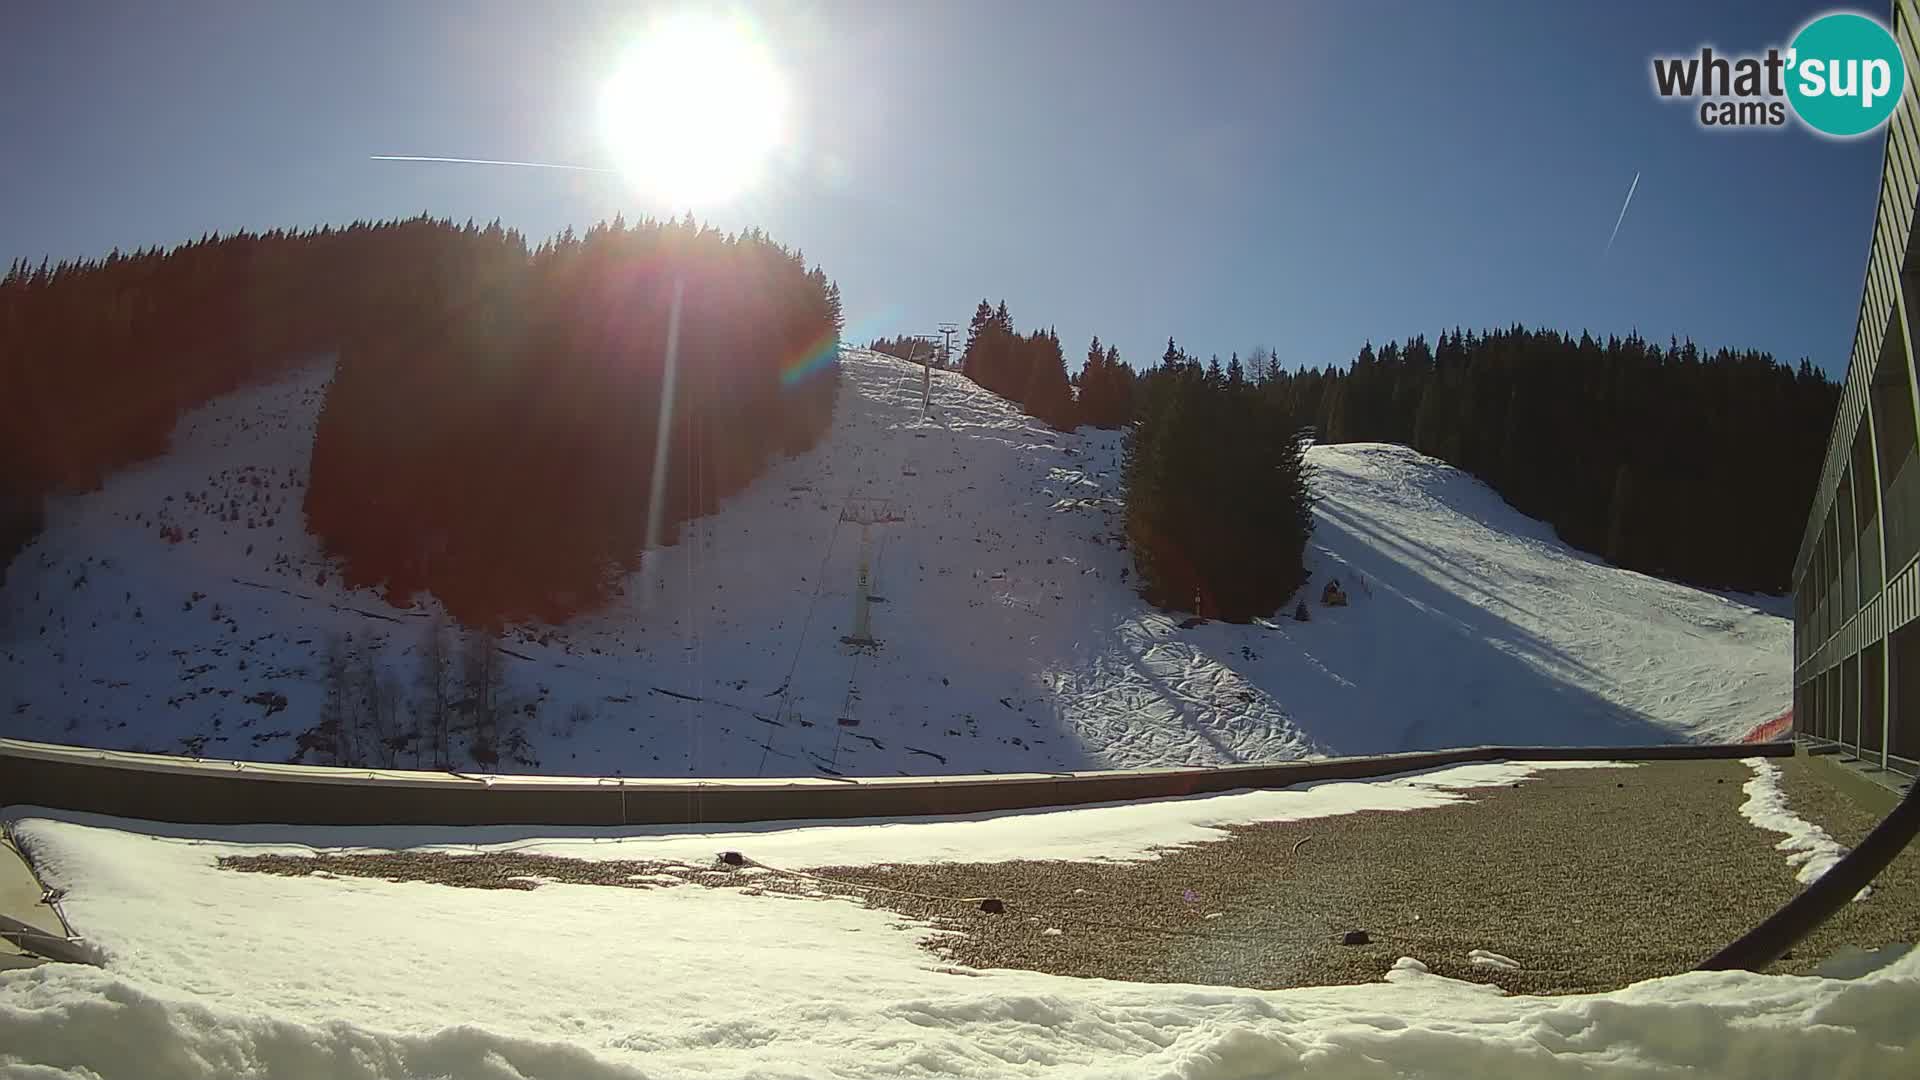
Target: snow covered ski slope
(1474,623)
(1011,639)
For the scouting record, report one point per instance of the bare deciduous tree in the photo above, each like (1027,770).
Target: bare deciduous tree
(433,692)
(335,704)
(482,683)
(579,716)
(379,706)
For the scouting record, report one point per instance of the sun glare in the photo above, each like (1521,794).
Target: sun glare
(695,111)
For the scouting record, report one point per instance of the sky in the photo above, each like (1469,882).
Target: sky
(1305,176)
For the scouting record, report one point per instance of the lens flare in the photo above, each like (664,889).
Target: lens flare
(696,110)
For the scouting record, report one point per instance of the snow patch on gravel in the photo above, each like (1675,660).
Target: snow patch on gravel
(1809,849)
(1102,832)
(1488,959)
(216,973)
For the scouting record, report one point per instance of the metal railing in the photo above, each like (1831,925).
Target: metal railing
(182,790)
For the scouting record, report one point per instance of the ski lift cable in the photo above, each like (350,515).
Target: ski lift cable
(885,514)
(793,664)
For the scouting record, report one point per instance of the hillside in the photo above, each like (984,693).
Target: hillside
(1011,637)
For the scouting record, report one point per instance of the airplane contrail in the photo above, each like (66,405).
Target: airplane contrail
(1631,188)
(488,161)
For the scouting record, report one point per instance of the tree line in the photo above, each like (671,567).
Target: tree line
(1691,465)
(911,347)
(545,416)
(490,431)
(99,357)
(1028,369)
(1219,508)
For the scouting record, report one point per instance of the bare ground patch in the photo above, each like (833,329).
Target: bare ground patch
(1589,879)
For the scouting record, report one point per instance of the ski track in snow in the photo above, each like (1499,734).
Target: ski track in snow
(1011,642)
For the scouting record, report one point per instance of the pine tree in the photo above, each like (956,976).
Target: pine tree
(1332,426)
(1047,396)
(1095,385)
(1106,388)
(1619,511)
(974,355)
(1218,507)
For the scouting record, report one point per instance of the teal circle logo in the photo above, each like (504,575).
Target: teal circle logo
(1845,74)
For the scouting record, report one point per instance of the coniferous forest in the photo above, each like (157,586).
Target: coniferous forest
(491,427)
(472,371)
(1029,369)
(907,347)
(1218,511)
(98,358)
(1691,465)
(1218,507)
(515,427)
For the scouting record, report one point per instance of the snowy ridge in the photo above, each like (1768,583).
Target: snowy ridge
(183,609)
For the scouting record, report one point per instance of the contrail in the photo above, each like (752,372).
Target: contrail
(488,161)
(1631,188)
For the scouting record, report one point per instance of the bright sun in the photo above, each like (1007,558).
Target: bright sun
(695,110)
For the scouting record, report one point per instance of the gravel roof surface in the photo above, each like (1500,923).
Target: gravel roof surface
(1892,913)
(1589,879)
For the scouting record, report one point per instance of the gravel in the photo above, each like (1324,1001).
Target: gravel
(1590,879)
(1890,914)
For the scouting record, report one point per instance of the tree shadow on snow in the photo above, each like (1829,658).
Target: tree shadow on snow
(1452,604)
(1415,666)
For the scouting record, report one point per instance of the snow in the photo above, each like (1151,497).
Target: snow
(1809,849)
(218,973)
(1472,618)
(1852,961)
(1488,959)
(1010,641)
(1108,832)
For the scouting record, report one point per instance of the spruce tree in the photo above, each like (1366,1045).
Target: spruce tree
(1047,394)
(1218,508)
(1619,523)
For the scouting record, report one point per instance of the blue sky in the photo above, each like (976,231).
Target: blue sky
(1304,175)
